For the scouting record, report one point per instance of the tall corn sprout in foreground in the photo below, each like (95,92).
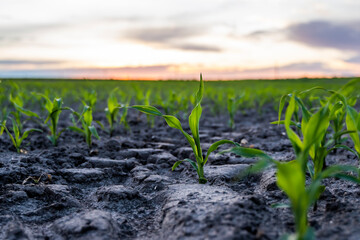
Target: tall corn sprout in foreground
(193,140)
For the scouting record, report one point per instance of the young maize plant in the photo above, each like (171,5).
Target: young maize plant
(3,119)
(54,109)
(18,104)
(232,106)
(217,102)
(16,138)
(193,140)
(87,130)
(90,98)
(353,125)
(291,179)
(112,110)
(150,119)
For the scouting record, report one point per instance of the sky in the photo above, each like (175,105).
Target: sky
(178,39)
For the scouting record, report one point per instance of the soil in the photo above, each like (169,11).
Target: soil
(124,187)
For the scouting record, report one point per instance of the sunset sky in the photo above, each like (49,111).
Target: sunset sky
(178,39)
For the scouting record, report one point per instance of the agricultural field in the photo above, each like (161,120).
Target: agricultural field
(256,159)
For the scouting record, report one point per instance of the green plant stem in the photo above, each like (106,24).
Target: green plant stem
(202,179)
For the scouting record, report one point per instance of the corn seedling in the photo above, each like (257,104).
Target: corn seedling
(87,130)
(232,106)
(291,179)
(112,110)
(89,98)
(54,109)
(193,140)
(353,125)
(3,119)
(217,103)
(18,104)
(150,119)
(17,138)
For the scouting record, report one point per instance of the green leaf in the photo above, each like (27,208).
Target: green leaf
(339,134)
(52,139)
(176,164)
(93,131)
(2,128)
(48,103)
(175,123)
(215,145)
(88,115)
(26,133)
(25,111)
(76,129)
(293,137)
(100,124)
(112,101)
(292,123)
(147,109)
(200,92)
(335,109)
(319,158)
(57,104)
(352,122)
(194,119)
(291,179)
(193,164)
(16,129)
(348,177)
(11,137)
(316,128)
(305,112)
(281,106)
(310,234)
(346,148)
(16,100)
(337,169)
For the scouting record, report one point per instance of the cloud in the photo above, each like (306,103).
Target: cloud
(259,34)
(115,72)
(197,47)
(294,67)
(355,59)
(27,62)
(159,35)
(318,34)
(323,34)
(310,67)
(171,37)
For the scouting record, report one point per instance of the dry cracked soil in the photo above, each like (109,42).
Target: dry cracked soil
(124,188)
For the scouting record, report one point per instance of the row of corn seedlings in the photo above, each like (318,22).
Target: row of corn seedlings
(53,110)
